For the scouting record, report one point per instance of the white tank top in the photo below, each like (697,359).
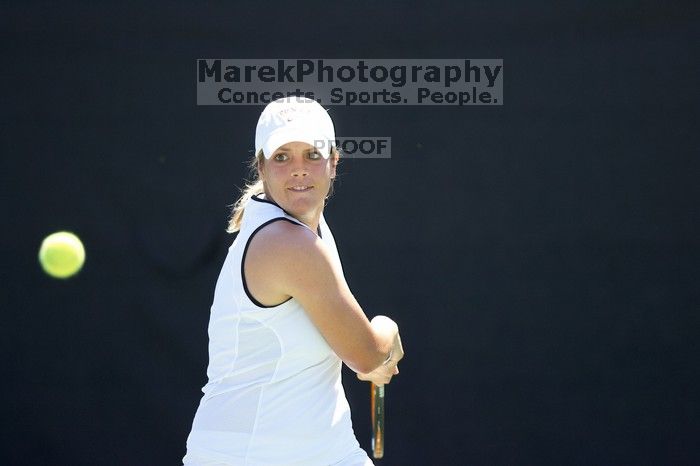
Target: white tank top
(274,394)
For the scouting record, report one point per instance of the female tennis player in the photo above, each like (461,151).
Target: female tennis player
(283,319)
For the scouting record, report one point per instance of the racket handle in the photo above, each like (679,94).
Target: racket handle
(377,421)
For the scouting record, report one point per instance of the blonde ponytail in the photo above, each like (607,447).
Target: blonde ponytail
(251,189)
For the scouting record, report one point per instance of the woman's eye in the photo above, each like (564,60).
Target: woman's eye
(280,157)
(315,155)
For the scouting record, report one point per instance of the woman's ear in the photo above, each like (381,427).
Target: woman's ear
(334,162)
(334,165)
(261,168)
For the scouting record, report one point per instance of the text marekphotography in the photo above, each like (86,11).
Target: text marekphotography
(351,81)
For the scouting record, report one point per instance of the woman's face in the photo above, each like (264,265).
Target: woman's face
(298,178)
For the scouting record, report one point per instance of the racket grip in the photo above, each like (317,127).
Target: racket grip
(378,415)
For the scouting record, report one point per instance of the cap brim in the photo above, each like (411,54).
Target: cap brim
(285,135)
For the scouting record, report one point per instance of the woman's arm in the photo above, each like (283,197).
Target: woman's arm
(293,261)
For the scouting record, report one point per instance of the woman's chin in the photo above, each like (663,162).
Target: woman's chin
(303,202)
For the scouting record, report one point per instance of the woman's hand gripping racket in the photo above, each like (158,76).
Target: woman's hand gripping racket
(379,377)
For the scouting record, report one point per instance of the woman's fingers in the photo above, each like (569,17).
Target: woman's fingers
(381,375)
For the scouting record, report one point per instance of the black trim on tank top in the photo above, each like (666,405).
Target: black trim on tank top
(245,251)
(256,198)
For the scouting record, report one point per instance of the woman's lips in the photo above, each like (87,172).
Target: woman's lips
(300,189)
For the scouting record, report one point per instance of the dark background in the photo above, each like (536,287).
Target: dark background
(540,257)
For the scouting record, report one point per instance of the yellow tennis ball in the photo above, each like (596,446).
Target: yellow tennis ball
(61,254)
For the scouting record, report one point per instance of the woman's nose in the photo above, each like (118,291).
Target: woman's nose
(299,169)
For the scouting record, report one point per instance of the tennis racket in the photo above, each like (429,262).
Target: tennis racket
(377,421)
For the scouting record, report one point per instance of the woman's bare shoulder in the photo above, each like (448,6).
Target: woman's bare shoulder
(285,247)
(283,235)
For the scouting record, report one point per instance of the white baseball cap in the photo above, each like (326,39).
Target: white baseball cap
(294,118)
